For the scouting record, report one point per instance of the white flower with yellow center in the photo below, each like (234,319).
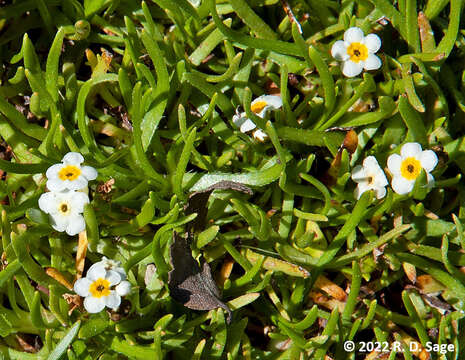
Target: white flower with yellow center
(369,176)
(101,288)
(70,175)
(65,210)
(109,264)
(406,167)
(357,52)
(259,107)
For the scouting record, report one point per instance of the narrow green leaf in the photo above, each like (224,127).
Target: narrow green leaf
(7,273)
(242,301)
(448,41)
(358,213)
(411,25)
(152,118)
(51,69)
(207,45)
(278,46)
(83,124)
(182,163)
(329,87)
(61,347)
(413,121)
(251,19)
(91,226)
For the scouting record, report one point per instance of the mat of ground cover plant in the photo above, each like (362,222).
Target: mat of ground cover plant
(242,179)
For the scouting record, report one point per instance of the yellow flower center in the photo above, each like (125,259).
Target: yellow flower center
(99,288)
(357,52)
(410,168)
(69,172)
(258,106)
(64,208)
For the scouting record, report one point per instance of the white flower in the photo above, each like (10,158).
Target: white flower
(370,176)
(65,209)
(260,135)
(357,52)
(406,167)
(109,264)
(259,107)
(69,175)
(101,288)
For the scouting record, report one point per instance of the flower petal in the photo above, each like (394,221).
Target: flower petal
(359,174)
(77,201)
(59,222)
(372,42)
(47,202)
(247,126)
(339,51)
(89,172)
(411,149)
(96,273)
(73,158)
(428,160)
(380,179)
(238,120)
(351,69)
(78,184)
(56,184)
(380,192)
(52,171)
(121,272)
(123,288)
(273,101)
(371,164)
(93,304)
(113,277)
(81,286)
(113,300)
(353,34)
(393,163)
(99,265)
(401,185)
(373,62)
(360,189)
(260,135)
(75,225)
(430,180)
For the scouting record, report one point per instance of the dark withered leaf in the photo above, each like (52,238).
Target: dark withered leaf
(188,283)
(197,202)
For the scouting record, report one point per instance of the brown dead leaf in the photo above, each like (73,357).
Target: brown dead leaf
(330,288)
(322,300)
(434,302)
(58,276)
(410,271)
(226,270)
(190,284)
(430,215)
(197,202)
(74,300)
(272,89)
(426,33)
(428,285)
(350,143)
(106,187)
(81,254)
(24,341)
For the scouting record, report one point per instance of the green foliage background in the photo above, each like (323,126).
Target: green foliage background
(146,92)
